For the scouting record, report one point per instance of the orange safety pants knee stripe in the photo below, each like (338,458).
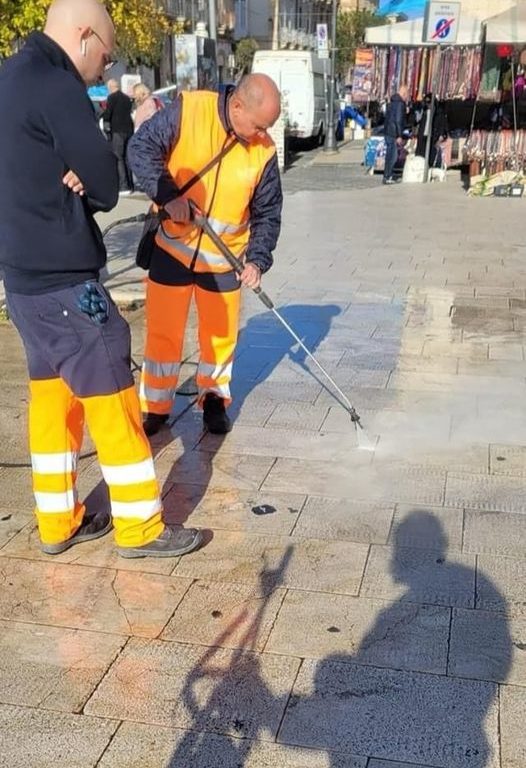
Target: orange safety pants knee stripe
(166,314)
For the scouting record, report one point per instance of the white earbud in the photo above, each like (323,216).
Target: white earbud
(83,47)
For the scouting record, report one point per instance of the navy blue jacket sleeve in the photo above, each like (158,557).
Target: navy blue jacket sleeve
(149,149)
(78,140)
(265,217)
(400,118)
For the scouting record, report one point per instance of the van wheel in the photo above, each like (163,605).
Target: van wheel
(320,138)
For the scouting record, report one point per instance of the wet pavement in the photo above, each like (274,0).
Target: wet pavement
(349,609)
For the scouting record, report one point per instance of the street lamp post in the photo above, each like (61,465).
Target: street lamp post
(330,145)
(212,21)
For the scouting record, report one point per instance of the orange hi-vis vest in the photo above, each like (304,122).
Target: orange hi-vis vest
(223,194)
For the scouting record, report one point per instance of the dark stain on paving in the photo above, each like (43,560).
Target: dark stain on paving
(264,509)
(333,629)
(216,614)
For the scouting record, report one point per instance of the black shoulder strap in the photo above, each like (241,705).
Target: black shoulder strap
(224,151)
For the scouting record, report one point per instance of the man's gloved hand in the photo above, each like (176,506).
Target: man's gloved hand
(94,303)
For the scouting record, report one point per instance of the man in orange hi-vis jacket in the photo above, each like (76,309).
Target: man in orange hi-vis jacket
(211,149)
(56,170)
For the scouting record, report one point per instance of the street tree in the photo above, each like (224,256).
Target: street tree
(350,34)
(140,24)
(245,50)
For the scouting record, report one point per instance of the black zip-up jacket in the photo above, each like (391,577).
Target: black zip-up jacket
(48,236)
(395,117)
(148,153)
(118,113)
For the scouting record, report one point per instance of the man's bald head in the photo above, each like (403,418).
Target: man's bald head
(84,30)
(254,106)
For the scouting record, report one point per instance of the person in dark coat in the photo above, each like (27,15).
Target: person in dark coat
(118,114)
(394,126)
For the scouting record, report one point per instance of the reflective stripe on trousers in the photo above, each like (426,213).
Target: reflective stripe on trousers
(56,423)
(167,311)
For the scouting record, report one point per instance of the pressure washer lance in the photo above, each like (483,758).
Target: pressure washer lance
(364,442)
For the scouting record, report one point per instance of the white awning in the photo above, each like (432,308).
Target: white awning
(410,33)
(508,27)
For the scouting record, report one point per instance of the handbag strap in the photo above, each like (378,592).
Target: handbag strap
(208,167)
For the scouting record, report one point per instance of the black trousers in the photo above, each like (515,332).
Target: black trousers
(119,142)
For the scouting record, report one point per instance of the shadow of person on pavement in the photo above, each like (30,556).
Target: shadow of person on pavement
(225,692)
(421,687)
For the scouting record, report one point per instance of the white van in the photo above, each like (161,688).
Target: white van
(300,77)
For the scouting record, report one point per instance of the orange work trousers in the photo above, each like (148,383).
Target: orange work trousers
(166,315)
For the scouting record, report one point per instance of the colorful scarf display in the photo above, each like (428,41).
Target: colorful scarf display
(459,76)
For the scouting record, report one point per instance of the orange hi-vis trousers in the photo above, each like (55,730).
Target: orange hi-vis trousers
(167,308)
(80,372)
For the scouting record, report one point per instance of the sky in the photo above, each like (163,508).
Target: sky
(413,9)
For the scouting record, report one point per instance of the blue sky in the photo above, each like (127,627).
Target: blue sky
(413,9)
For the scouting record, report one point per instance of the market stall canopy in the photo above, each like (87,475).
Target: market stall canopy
(410,33)
(507,27)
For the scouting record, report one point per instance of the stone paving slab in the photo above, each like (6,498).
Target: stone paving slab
(513,735)
(484,492)
(12,522)
(495,533)
(417,717)
(87,598)
(232,509)
(226,615)
(15,483)
(344,519)
(298,416)
(144,746)
(346,479)
(508,460)
(488,646)
(50,668)
(218,690)
(315,564)
(375,632)
(296,444)
(31,738)
(503,586)
(223,471)
(417,575)
(460,383)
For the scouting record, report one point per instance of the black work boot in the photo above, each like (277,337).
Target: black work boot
(215,417)
(92,527)
(173,542)
(153,423)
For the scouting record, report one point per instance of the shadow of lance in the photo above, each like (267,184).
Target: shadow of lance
(240,704)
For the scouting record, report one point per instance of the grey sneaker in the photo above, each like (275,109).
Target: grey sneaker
(92,527)
(173,541)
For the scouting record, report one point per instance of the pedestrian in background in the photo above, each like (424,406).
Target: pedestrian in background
(56,171)
(395,120)
(118,115)
(215,148)
(146,105)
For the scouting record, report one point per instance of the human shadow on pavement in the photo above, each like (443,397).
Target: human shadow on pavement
(225,693)
(263,345)
(421,687)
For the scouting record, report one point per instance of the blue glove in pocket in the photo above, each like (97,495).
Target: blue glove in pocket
(93,302)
